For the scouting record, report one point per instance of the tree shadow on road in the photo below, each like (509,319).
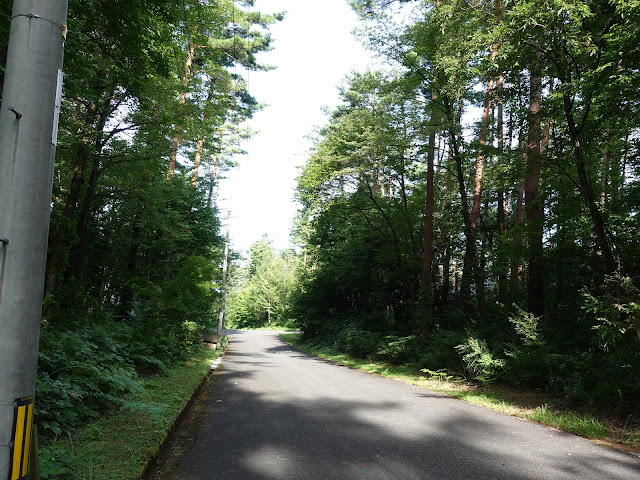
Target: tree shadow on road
(242,433)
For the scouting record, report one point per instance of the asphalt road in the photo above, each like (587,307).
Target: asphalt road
(272,412)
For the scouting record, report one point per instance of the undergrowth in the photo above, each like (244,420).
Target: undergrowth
(119,443)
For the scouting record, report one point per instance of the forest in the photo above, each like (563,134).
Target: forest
(471,208)
(151,117)
(475,208)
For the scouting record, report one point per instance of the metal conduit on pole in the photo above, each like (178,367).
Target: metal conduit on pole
(28,135)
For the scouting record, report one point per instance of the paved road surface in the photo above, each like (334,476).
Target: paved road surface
(272,412)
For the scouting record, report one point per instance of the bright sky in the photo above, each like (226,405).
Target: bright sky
(313,51)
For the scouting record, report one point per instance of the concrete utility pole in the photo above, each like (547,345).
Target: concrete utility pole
(224,285)
(28,136)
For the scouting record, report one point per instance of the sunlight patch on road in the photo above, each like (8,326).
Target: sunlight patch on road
(270,462)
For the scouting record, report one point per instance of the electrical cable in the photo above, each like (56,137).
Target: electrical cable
(38,17)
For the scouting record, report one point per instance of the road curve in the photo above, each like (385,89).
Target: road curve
(272,412)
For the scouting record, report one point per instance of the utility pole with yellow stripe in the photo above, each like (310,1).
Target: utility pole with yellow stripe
(28,135)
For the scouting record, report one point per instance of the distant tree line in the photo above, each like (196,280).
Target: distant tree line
(263,288)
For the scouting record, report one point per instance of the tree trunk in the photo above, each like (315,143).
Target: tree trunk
(375,185)
(447,280)
(516,259)
(606,158)
(126,295)
(533,207)
(77,256)
(403,190)
(427,246)
(612,160)
(214,171)
(482,140)
(482,263)
(446,267)
(454,276)
(200,145)
(599,226)
(183,98)
(58,259)
(223,299)
(477,189)
(470,244)
(502,204)
(196,162)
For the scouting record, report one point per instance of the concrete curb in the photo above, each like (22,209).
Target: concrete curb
(215,364)
(180,418)
(217,361)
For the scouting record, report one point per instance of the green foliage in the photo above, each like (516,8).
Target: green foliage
(119,445)
(263,296)
(362,344)
(81,372)
(535,366)
(617,312)
(438,375)
(397,350)
(55,460)
(187,297)
(364,284)
(441,352)
(526,326)
(479,361)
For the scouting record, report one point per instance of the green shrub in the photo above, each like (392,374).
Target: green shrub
(341,339)
(55,459)
(535,366)
(440,352)
(479,361)
(525,366)
(526,326)
(617,313)
(361,343)
(396,350)
(81,372)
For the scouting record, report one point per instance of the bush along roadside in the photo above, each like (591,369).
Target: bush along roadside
(120,443)
(546,408)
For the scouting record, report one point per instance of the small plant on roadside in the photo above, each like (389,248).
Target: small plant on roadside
(396,349)
(479,361)
(578,424)
(362,343)
(55,459)
(438,375)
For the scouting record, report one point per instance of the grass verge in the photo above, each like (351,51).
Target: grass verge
(544,408)
(120,445)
